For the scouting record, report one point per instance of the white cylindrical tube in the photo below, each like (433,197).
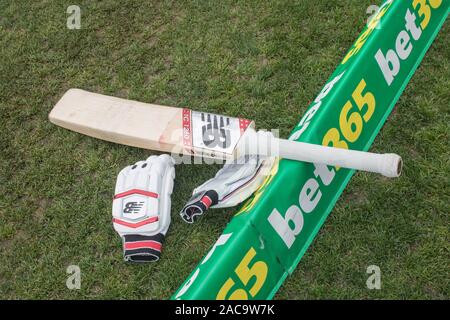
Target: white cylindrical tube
(388,164)
(264,143)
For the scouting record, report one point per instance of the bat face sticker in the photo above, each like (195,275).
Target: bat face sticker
(216,131)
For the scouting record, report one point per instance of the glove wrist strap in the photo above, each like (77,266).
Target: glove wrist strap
(140,248)
(198,204)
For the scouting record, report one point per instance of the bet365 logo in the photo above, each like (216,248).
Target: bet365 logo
(216,131)
(133,207)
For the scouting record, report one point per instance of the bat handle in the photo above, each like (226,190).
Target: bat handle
(388,164)
(264,143)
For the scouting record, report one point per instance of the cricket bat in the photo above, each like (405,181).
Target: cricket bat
(181,130)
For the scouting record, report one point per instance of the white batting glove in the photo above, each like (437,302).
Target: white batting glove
(141,207)
(232,184)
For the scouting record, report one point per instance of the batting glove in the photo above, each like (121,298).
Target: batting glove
(232,184)
(141,207)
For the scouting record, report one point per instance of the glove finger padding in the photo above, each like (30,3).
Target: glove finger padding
(232,184)
(141,207)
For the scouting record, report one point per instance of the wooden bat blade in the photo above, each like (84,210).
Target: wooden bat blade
(148,126)
(118,120)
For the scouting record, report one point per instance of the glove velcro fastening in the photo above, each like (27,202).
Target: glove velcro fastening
(198,204)
(139,248)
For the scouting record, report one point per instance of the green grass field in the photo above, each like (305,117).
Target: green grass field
(264,60)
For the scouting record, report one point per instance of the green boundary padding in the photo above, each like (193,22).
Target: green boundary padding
(254,254)
(367,146)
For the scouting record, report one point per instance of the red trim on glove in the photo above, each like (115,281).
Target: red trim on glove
(143,244)
(137,224)
(136,191)
(206,201)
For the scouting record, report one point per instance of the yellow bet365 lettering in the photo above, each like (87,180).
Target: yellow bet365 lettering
(351,123)
(425,11)
(367,99)
(365,35)
(245,273)
(435,3)
(238,294)
(333,139)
